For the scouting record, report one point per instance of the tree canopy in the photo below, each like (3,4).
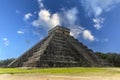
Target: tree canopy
(4,63)
(112,58)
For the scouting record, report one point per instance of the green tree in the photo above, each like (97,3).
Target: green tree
(4,63)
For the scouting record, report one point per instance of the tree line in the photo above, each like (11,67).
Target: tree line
(4,63)
(113,58)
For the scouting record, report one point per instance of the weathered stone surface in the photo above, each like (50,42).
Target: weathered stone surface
(58,49)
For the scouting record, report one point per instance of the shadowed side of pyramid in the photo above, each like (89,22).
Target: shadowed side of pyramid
(58,49)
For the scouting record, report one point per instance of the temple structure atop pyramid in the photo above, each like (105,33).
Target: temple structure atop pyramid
(58,49)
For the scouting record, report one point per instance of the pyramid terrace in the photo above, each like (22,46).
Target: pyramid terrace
(58,49)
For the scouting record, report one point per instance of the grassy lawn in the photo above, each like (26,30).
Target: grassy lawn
(64,71)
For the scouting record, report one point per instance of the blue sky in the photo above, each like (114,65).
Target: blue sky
(23,23)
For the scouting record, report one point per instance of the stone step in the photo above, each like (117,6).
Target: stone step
(36,55)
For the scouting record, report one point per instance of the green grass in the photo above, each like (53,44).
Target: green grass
(69,71)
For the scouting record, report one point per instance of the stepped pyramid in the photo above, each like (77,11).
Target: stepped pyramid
(58,49)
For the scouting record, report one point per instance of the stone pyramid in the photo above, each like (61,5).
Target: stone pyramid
(58,49)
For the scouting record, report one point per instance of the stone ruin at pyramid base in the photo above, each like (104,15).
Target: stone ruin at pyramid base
(59,49)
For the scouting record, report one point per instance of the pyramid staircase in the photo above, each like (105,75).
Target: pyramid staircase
(58,49)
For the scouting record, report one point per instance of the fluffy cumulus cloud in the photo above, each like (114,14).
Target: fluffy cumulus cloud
(88,36)
(66,17)
(47,19)
(76,31)
(97,7)
(20,32)
(27,16)
(6,41)
(98,22)
(70,16)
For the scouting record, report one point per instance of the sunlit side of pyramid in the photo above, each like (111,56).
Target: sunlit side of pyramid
(58,49)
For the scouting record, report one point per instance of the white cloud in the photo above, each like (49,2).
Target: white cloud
(20,32)
(98,21)
(71,16)
(88,36)
(27,16)
(40,2)
(6,41)
(67,18)
(76,31)
(47,19)
(97,7)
